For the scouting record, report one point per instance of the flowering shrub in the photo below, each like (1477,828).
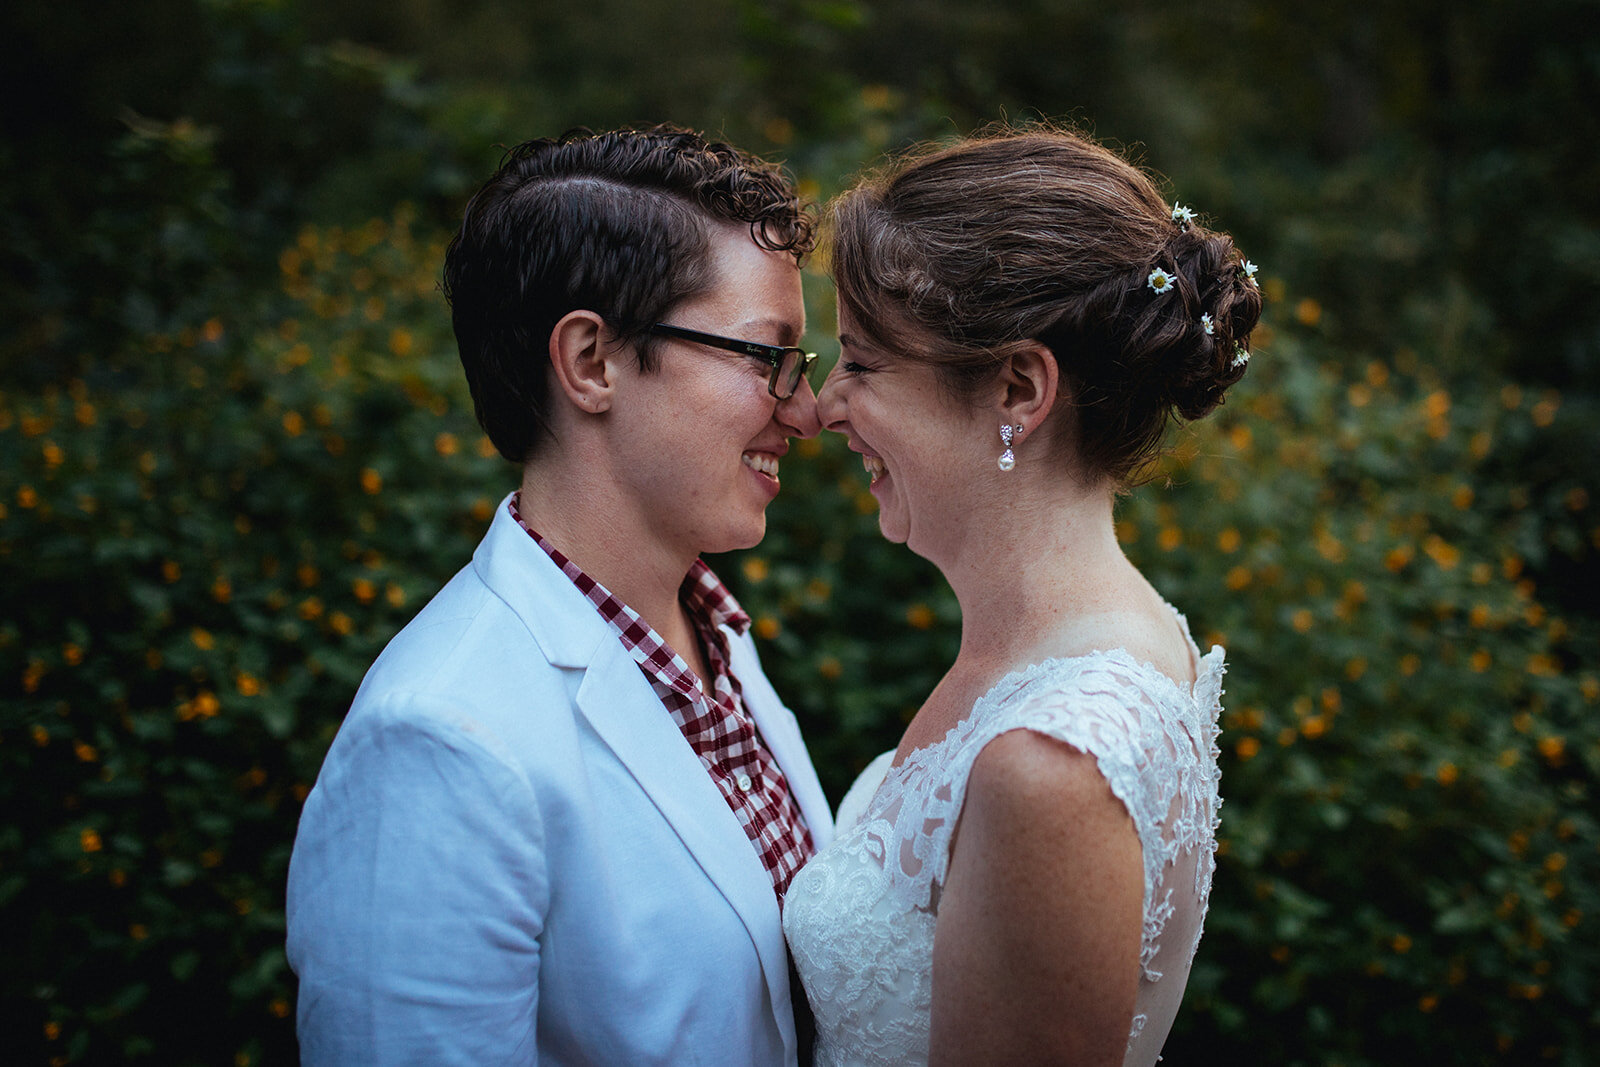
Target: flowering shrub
(202,551)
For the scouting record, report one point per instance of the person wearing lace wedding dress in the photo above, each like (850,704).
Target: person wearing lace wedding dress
(1024,880)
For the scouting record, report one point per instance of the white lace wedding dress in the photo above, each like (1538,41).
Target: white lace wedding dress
(860,916)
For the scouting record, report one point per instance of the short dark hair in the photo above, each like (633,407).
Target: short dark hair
(614,223)
(953,254)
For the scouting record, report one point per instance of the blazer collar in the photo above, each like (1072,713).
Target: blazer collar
(563,623)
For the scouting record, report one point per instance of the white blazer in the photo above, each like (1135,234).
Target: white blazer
(512,855)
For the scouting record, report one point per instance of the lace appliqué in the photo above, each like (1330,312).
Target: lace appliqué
(860,917)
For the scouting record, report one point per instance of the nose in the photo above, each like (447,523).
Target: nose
(830,401)
(798,414)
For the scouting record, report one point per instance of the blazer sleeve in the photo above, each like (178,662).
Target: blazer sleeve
(417,895)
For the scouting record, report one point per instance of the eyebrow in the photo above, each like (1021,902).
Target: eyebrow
(788,333)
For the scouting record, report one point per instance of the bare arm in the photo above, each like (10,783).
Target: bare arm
(1036,953)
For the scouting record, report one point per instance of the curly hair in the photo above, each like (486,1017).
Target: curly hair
(616,223)
(953,255)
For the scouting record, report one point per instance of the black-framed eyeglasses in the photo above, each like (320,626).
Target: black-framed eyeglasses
(789,365)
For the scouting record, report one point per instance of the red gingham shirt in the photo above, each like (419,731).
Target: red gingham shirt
(718,728)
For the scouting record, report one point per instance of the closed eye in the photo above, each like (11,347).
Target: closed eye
(852,367)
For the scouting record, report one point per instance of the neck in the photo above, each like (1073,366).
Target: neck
(1035,561)
(583,516)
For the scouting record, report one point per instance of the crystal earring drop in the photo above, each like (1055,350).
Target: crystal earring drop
(1008,458)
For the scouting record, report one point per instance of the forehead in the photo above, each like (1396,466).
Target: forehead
(753,286)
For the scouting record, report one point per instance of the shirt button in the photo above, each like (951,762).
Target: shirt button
(743,782)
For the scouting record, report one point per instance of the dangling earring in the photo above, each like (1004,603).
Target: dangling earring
(1008,458)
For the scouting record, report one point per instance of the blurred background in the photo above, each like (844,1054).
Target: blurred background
(236,455)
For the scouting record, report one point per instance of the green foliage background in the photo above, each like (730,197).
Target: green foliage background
(236,455)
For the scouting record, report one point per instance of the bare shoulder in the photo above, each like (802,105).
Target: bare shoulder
(1027,782)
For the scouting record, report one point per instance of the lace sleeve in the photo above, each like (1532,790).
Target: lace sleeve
(1151,739)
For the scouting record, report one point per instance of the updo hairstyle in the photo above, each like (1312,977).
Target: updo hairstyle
(958,255)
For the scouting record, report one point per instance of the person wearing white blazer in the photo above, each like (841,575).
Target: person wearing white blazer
(558,821)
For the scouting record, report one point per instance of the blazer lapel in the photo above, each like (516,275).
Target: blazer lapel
(628,716)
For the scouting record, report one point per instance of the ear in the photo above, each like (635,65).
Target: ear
(1030,380)
(585,359)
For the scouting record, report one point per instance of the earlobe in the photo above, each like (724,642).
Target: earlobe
(583,357)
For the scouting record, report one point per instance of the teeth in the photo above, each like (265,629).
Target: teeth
(874,466)
(758,461)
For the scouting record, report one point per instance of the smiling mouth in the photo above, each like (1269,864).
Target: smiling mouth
(761,462)
(874,466)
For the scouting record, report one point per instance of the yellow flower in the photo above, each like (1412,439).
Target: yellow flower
(755,569)
(1400,943)
(202,639)
(1169,538)
(830,667)
(767,627)
(1247,748)
(920,616)
(1238,578)
(1447,773)
(1229,540)
(1301,620)
(371,481)
(446,444)
(1442,552)
(249,685)
(1544,665)
(364,590)
(89,840)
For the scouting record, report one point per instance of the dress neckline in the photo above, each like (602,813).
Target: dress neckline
(1204,667)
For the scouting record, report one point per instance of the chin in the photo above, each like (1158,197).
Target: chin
(748,535)
(897,536)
